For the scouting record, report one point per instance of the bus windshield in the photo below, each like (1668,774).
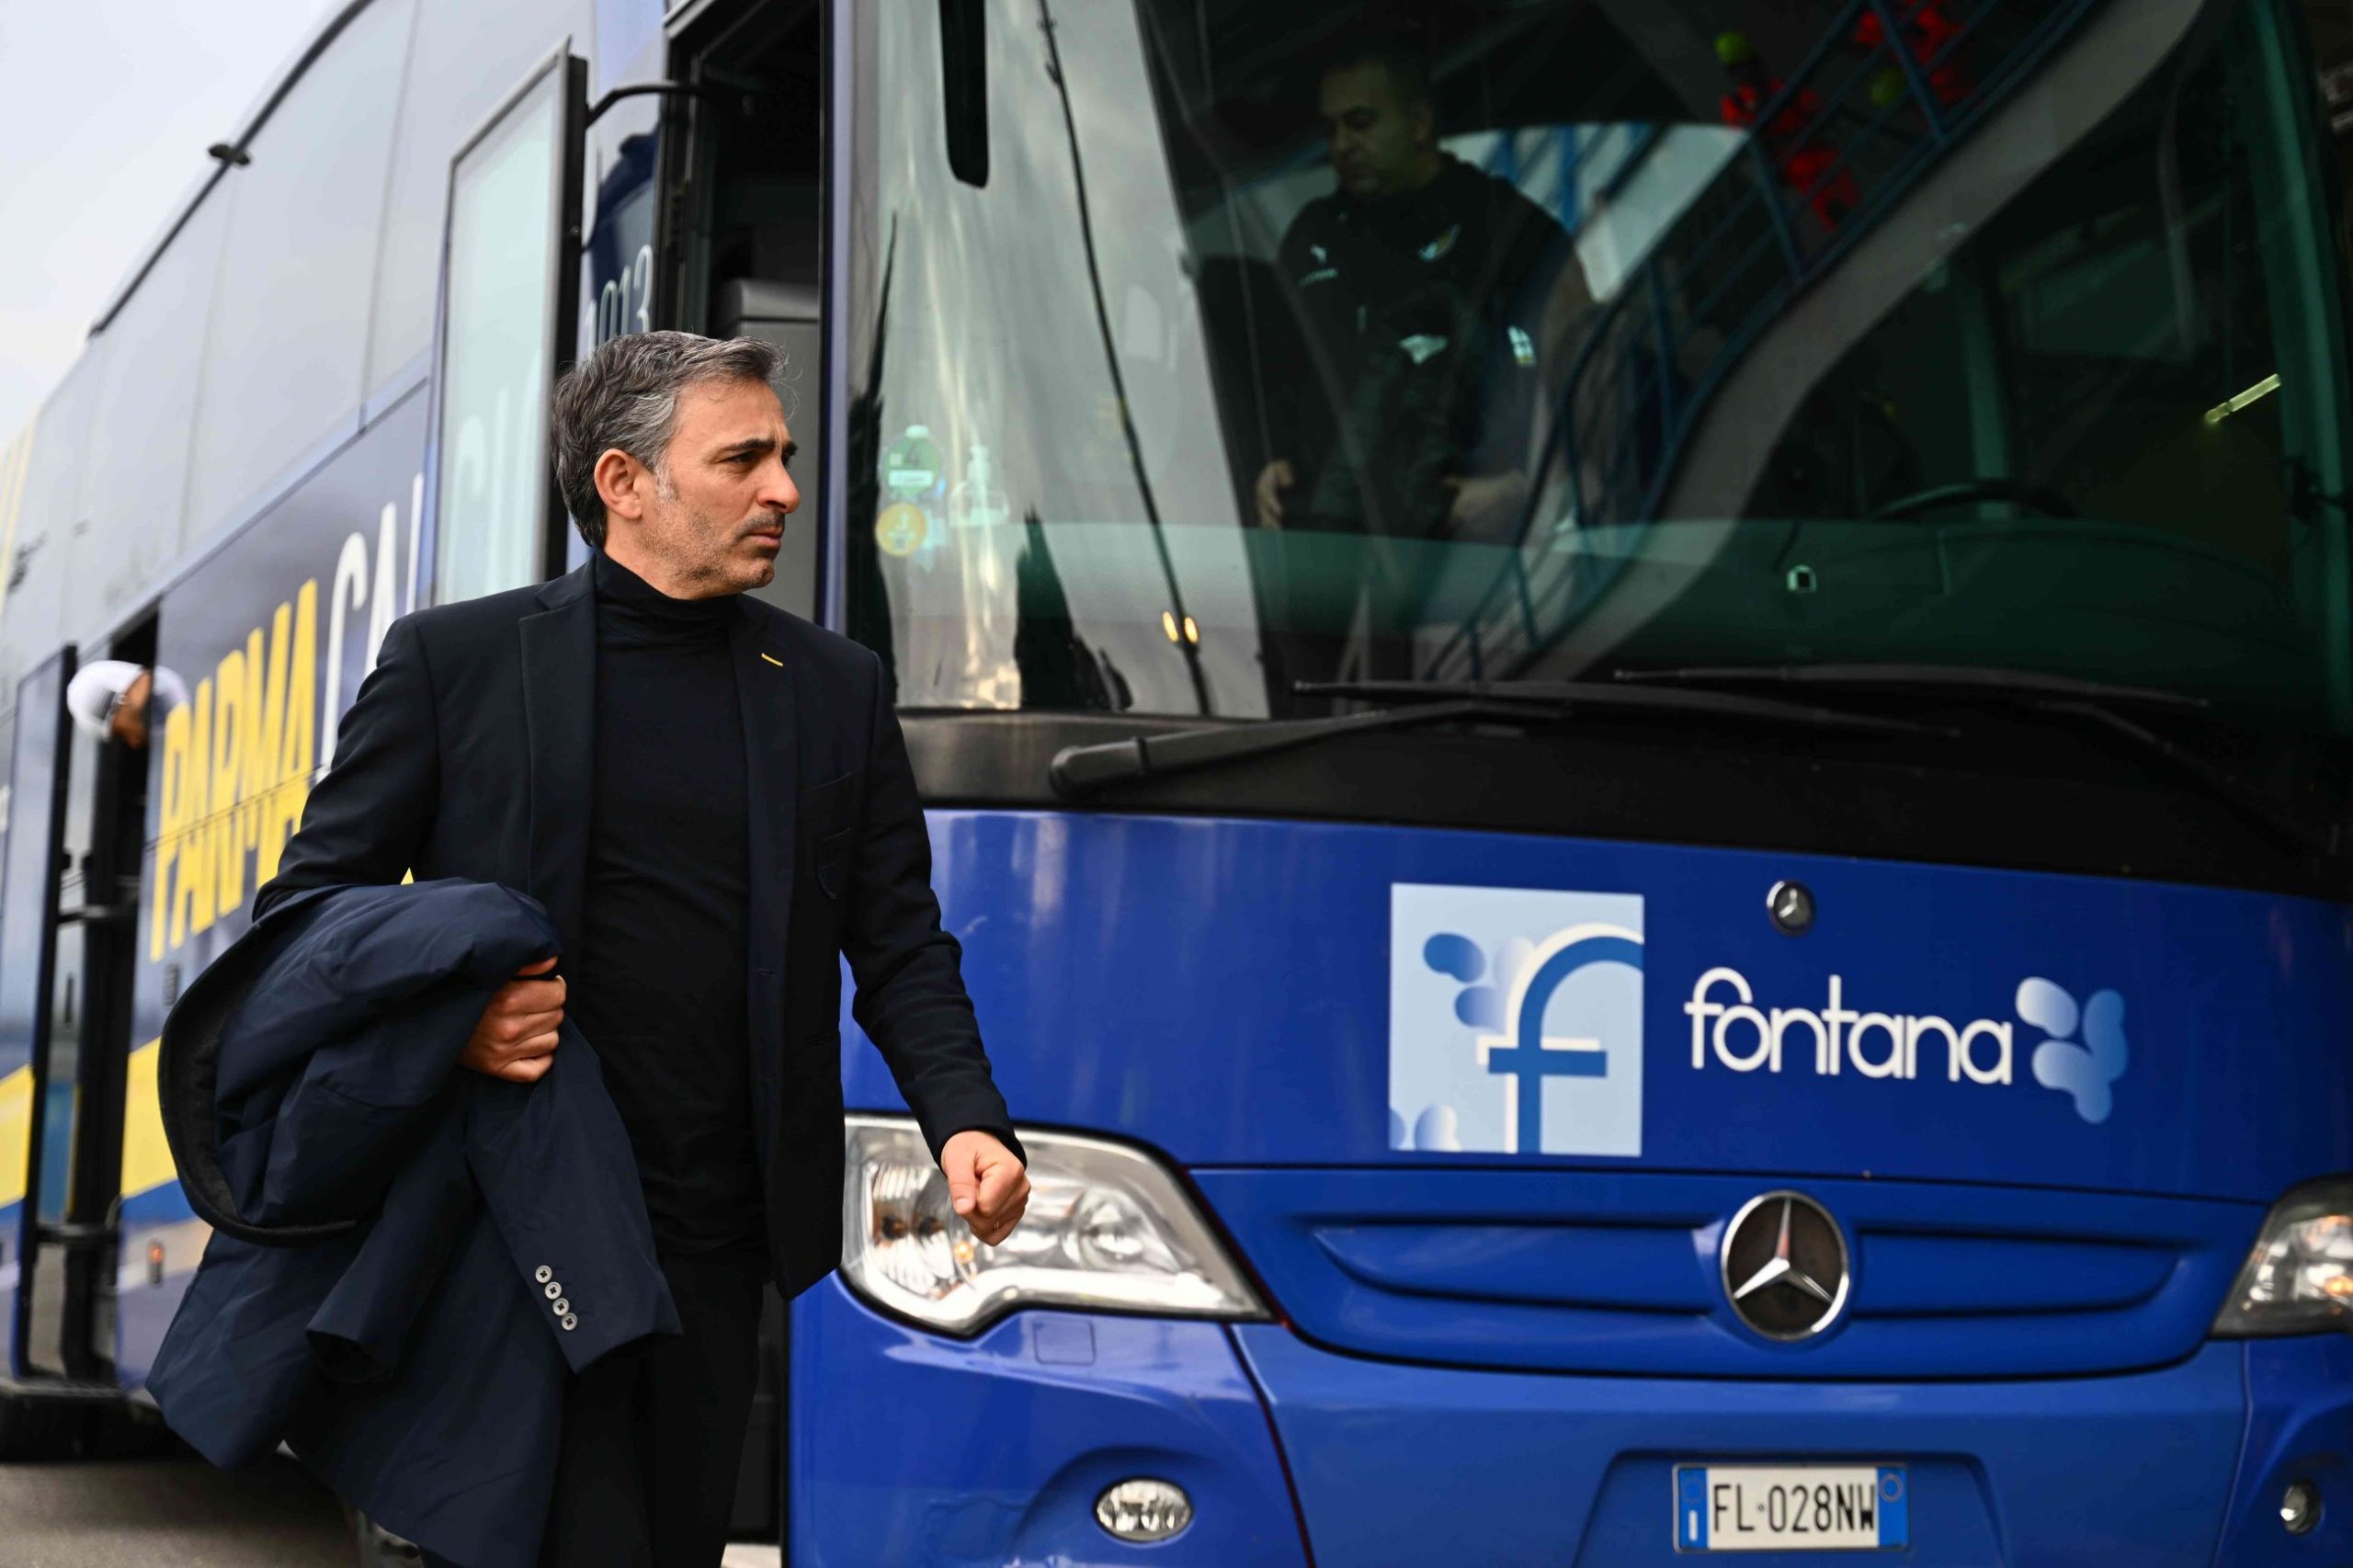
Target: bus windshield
(1199,348)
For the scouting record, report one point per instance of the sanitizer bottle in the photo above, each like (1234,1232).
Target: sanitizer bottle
(977,502)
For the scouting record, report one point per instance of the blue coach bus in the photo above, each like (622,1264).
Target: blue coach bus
(1775,975)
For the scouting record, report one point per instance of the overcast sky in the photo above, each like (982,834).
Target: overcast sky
(108,110)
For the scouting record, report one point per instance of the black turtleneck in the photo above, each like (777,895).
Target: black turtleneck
(658,985)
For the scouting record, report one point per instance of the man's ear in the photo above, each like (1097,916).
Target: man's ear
(622,482)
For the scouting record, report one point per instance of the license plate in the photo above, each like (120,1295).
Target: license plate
(1772,1508)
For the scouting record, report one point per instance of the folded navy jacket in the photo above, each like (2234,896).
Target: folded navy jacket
(409,1259)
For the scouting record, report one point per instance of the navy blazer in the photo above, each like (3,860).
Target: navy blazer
(467,753)
(407,1257)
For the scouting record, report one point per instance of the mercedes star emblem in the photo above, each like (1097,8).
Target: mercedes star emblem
(1785,1268)
(1789,905)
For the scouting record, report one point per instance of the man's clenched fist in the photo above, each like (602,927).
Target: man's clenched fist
(985,1183)
(516,1038)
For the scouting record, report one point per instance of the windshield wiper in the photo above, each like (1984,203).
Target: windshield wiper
(1556,695)
(1968,679)
(2091,701)
(1076,770)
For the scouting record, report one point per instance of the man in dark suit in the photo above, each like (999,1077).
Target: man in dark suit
(714,801)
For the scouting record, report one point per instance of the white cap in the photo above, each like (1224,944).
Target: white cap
(92,694)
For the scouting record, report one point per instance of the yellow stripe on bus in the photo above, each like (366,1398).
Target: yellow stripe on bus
(15,1133)
(146,1158)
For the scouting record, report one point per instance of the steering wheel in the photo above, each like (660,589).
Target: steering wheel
(1937,496)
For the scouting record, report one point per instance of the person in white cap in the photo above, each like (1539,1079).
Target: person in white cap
(115,697)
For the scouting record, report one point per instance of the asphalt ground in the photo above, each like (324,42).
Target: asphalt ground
(172,1509)
(176,1511)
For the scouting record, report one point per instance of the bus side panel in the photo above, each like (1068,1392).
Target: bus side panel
(273,635)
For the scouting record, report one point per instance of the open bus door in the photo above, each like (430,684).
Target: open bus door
(38,781)
(69,893)
(68,900)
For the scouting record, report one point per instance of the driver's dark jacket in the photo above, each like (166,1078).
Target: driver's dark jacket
(408,1257)
(1421,313)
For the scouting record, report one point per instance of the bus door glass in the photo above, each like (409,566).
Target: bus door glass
(750,258)
(506,325)
(34,1135)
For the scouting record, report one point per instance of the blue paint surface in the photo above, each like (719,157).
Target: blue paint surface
(2299,1427)
(1222,990)
(908,1447)
(1400,1465)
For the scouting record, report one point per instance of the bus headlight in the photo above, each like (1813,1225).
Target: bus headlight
(1107,1226)
(2299,1279)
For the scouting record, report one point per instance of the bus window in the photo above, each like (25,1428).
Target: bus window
(464,57)
(506,315)
(292,276)
(1544,341)
(1248,329)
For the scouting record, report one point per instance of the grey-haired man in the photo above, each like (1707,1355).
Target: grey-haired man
(713,801)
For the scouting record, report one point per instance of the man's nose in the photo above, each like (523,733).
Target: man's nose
(779,494)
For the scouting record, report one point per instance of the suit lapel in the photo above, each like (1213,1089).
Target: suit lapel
(559,714)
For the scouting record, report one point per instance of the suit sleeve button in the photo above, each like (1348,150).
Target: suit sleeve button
(562,1307)
(570,1322)
(554,1288)
(543,1274)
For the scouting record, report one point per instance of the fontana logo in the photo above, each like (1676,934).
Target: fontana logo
(1516,1021)
(1729,1031)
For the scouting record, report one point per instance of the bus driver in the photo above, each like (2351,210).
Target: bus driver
(1422,285)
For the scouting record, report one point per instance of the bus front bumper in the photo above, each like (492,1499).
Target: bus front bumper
(908,1446)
